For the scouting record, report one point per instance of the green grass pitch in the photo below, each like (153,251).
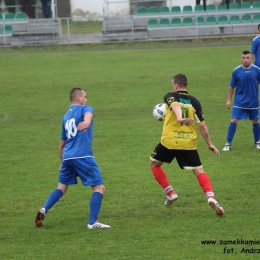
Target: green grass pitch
(122,86)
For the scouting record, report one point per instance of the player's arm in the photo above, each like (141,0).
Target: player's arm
(205,133)
(253,49)
(61,148)
(84,125)
(252,57)
(176,108)
(229,97)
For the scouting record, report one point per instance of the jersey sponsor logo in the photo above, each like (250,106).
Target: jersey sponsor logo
(185,101)
(170,100)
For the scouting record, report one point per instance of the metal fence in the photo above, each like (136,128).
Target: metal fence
(108,28)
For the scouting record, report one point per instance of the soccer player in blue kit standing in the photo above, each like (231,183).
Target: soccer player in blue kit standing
(245,79)
(255,48)
(77,159)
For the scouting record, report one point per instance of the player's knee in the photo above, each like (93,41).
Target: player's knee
(154,164)
(198,171)
(63,187)
(99,188)
(102,188)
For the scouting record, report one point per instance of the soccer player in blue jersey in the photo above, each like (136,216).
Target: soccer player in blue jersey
(77,159)
(255,48)
(244,81)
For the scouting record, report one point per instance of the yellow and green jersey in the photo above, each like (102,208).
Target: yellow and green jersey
(176,135)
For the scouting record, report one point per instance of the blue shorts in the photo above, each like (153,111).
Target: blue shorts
(84,168)
(241,113)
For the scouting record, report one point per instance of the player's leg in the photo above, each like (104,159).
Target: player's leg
(256,134)
(204,182)
(49,203)
(89,173)
(95,203)
(67,176)
(190,160)
(206,185)
(230,134)
(55,196)
(162,154)
(253,115)
(95,206)
(237,114)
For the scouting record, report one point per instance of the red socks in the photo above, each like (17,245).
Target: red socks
(161,178)
(205,184)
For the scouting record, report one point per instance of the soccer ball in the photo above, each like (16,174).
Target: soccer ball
(159,111)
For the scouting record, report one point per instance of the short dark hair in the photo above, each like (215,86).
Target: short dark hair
(181,80)
(75,92)
(246,52)
(258,26)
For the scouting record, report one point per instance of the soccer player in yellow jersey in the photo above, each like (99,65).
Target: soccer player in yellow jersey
(179,140)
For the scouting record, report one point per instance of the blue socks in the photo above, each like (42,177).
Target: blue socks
(53,198)
(256,132)
(233,127)
(95,205)
(231,132)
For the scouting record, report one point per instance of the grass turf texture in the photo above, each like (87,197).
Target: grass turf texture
(79,27)
(123,87)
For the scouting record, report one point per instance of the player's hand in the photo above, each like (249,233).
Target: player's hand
(186,121)
(214,149)
(228,104)
(83,126)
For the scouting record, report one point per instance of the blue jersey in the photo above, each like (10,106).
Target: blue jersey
(255,49)
(78,144)
(246,83)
